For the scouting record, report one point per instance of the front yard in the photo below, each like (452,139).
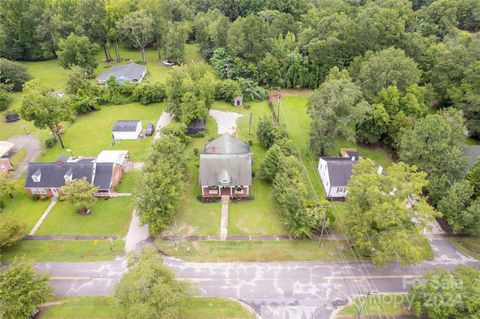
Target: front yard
(393,305)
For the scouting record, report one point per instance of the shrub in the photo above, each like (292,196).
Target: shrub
(4,99)
(178,130)
(35,197)
(149,93)
(50,142)
(84,104)
(10,232)
(13,74)
(227,90)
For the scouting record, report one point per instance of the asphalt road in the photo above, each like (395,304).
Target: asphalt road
(303,290)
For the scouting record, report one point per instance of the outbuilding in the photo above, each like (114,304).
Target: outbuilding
(127,129)
(196,126)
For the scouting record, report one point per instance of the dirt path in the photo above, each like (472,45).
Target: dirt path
(32,145)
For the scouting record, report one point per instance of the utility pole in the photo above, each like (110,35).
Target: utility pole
(250,124)
(362,307)
(278,108)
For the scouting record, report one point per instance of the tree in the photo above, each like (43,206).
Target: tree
(459,208)
(435,145)
(473,176)
(78,50)
(13,75)
(335,110)
(149,290)
(270,164)
(22,290)
(4,99)
(375,124)
(138,27)
(161,189)
(448,294)
(175,40)
(268,132)
(11,231)
(379,70)
(43,109)
(387,213)
(81,194)
(398,124)
(7,187)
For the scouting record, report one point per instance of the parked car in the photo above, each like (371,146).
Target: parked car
(11,117)
(150,129)
(169,63)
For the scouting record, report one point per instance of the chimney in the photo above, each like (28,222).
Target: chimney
(380,170)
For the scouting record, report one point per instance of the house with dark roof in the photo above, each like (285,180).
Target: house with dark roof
(335,173)
(132,72)
(226,168)
(48,178)
(127,129)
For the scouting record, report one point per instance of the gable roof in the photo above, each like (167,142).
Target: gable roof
(227,144)
(125,126)
(52,174)
(339,170)
(5,147)
(237,168)
(132,72)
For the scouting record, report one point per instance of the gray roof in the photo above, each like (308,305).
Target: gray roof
(339,170)
(227,144)
(125,126)
(52,174)
(237,168)
(472,154)
(132,72)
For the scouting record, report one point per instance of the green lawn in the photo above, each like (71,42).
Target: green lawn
(91,133)
(471,141)
(17,158)
(22,208)
(102,307)
(109,216)
(68,250)
(259,251)
(380,305)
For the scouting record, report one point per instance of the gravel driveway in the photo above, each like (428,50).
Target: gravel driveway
(226,121)
(32,145)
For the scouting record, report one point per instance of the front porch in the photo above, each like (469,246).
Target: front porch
(232,191)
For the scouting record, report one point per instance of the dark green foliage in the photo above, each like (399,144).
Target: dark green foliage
(448,294)
(13,74)
(473,176)
(161,189)
(460,209)
(4,99)
(179,130)
(149,93)
(374,125)
(22,290)
(271,162)
(50,142)
(251,91)
(268,132)
(79,51)
(149,290)
(11,231)
(227,90)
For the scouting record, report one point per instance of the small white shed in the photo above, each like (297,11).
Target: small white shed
(127,130)
(110,156)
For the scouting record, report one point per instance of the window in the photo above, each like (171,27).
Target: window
(340,189)
(34,191)
(42,191)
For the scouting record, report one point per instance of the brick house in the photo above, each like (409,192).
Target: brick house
(48,178)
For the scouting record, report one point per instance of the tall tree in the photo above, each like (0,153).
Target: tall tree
(45,110)
(149,290)
(11,231)
(435,145)
(335,110)
(387,213)
(22,290)
(174,44)
(138,27)
(78,50)
(13,75)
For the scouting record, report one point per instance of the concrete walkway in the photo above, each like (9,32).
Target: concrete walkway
(69,237)
(32,145)
(137,234)
(224,219)
(42,218)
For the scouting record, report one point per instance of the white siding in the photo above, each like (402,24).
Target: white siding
(323,171)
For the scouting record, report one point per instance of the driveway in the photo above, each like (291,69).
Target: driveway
(226,121)
(303,290)
(32,145)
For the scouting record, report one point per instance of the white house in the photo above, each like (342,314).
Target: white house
(335,173)
(127,130)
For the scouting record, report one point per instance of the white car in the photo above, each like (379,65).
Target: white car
(168,63)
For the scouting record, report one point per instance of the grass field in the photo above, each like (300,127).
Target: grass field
(109,216)
(102,307)
(67,250)
(377,305)
(468,246)
(259,251)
